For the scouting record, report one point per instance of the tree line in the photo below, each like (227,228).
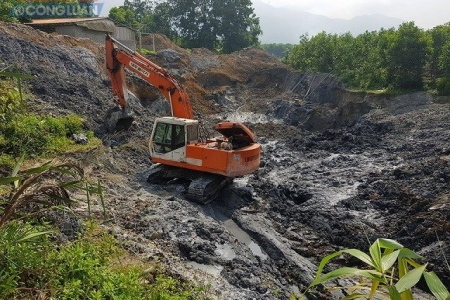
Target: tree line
(223,26)
(407,58)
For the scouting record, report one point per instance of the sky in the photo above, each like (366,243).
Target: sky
(425,14)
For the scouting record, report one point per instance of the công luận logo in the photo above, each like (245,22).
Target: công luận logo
(52,9)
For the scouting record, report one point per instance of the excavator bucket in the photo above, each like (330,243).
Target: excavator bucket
(119,120)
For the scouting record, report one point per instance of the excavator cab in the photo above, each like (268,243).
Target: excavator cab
(170,136)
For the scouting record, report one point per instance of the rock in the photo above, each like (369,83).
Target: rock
(80,138)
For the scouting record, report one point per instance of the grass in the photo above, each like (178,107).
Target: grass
(29,135)
(92,267)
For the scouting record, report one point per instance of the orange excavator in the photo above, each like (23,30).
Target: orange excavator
(176,148)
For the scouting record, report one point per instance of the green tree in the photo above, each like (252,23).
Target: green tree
(227,25)
(5,11)
(163,21)
(444,60)
(278,50)
(439,35)
(443,82)
(123,15)
(406,54)
(357,60)
(195,22)
(141,8)
(238,25)
(314,54)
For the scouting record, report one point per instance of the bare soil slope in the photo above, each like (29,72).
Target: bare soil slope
(337,167)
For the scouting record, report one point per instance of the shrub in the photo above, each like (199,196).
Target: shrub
(33,135)
(443,86)
(145,51)
(29,135)
(88,268)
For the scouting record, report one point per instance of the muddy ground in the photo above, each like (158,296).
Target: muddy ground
(337,168)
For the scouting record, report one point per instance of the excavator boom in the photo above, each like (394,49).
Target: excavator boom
(119,57)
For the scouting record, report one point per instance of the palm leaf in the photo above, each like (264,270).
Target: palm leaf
(375,254)
(355,296)
(7,180)
(346,272)
(393,293)
(33,235)
(387,261)
(389,244)
(46,166)
(408,253)
(436,286)
(410,279)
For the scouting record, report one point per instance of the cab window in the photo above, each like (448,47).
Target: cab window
(168,137)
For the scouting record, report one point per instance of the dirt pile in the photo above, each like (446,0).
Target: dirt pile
(337,167)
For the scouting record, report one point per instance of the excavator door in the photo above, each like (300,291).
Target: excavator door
(170,136)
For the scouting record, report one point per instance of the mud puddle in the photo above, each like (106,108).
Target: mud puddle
(221,211)
(251,118)
(213,270)
(244,238)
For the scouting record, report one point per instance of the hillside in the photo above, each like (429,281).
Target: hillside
(283,25)
(337,167)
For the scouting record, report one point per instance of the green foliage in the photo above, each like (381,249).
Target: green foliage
(10,99)
(440,37)
(356,60)
(124,16)
(22,247)
(34,135)
(442,86)
(224,26)
(278,50)
(398,59)
(406,55)
(46,186)
(88,268)
(392,271)
(218,25)
(314,54)
(5,11)
(146,51)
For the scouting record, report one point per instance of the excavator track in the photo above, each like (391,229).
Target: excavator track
(160,174)
(206,188)
(203,187)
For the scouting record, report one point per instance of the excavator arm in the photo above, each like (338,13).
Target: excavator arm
(118,57)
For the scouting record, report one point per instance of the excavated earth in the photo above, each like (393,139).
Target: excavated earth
(338,168)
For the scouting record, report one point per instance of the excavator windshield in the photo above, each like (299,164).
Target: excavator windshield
(168,137)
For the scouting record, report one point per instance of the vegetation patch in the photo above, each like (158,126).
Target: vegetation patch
(92,267)
(27,135)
